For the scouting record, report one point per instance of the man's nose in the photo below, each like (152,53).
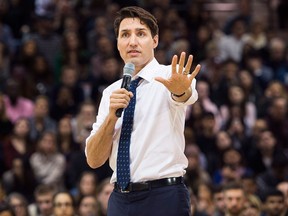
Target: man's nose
(133,39)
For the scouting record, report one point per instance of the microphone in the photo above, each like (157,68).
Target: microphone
(128,70)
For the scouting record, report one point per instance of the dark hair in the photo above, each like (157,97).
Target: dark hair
(136,12)
(232,186)
(44,189)
(64,192)
(272,192)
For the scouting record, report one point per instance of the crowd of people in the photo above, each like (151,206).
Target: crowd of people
(57,56)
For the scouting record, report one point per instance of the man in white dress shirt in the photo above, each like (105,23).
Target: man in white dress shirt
(157,160)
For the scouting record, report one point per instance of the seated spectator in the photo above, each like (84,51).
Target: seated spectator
(257,37)
(274,89)
(19,178)
(65,141)
(233,168)
(47,163)
(234,199)
(43,195)
(247,109)
(249,184)
(251,88)
(277,120)
(82,122)
(87,185)
(103,193)
(253,206)
(277,51)
(206,137)
(18,203)
(67,95)
(72,54)
(262,74)
(231,46)
(218,201)
(88,206)
(16,105)
(223,142)
(203,89)
(274,203)
(228,76)
(41,121)
(78,164)
(283,187)
(251,141)
(18,144)
(195,174)
(204,197)
(265,151)
(278,173)
(63,204)
(110,71)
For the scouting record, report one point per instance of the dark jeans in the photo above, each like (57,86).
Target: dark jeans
(163,201)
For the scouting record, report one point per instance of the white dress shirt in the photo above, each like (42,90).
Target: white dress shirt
(157,140)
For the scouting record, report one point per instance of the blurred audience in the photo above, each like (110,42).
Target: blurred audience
(56,57)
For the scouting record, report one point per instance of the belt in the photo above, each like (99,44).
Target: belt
(147,185)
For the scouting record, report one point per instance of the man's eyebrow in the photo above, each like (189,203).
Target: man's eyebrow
(137,29)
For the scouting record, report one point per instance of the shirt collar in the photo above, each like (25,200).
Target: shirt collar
(149,72)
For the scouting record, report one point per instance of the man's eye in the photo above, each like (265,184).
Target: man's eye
(124,35)
(141,34)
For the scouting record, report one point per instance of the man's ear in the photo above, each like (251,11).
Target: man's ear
(155,41)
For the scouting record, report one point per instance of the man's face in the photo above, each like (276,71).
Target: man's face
(274,205)
(45,204)
(219,201)
(234,200)
(135,42)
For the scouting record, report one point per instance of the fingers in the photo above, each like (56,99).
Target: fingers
(195,72)
(188,65)
(181,69)
(120,98)
(174,63)
(181,62)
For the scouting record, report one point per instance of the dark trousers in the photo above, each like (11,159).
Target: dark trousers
(163,201)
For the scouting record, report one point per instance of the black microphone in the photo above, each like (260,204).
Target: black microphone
(128,70)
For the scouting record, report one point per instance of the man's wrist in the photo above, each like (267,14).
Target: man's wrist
(178,96)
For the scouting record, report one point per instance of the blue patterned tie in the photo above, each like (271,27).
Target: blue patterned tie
(123,158)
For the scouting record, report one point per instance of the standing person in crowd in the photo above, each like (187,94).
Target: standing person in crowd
(162,98)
